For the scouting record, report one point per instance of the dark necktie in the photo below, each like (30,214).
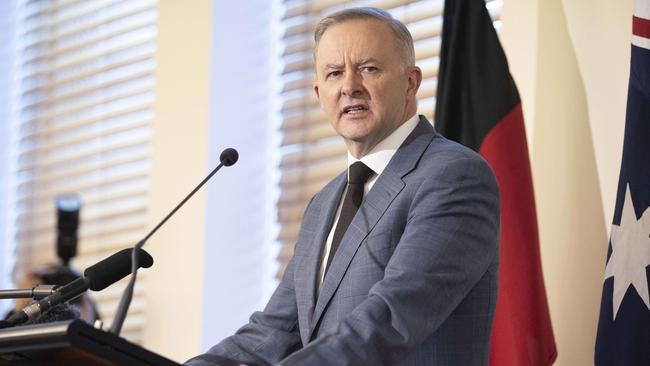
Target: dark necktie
(359,174)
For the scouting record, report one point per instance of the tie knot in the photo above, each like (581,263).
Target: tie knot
(359,173)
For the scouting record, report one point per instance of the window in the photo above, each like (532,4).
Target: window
(85,78)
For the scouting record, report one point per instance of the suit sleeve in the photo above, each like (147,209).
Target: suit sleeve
(450,239)
(270,334)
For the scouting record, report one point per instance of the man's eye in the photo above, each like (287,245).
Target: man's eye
(333,74)
(369,68)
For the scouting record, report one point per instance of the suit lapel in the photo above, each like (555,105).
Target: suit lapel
(386,188)
(308,268)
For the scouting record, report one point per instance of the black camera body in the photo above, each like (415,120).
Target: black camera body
(68,207)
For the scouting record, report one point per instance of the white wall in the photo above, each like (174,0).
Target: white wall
(600,31)
(180,151)
(215,258)
(239,246)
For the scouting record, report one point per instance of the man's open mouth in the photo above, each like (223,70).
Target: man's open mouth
(355,109)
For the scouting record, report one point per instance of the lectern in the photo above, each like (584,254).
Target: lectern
(74,343)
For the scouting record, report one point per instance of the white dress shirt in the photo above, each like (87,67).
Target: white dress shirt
(377,160)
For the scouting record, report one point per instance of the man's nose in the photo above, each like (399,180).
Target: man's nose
(352,85)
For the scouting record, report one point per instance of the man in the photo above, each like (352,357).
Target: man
(397,258)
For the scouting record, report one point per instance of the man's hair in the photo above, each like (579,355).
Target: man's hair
(402,34)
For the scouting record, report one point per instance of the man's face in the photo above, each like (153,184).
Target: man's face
(363,84)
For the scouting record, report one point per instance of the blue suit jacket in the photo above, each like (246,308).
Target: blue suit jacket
(414,281)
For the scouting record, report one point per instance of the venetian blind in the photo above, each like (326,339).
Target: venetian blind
(85,105)
(312,153)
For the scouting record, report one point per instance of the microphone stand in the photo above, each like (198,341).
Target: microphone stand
(36,292)
(228,157)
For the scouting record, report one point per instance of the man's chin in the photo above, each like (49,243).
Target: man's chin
(358,136)
(349,125)
(357,142)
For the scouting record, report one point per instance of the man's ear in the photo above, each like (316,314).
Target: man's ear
(414,80)
(316,90)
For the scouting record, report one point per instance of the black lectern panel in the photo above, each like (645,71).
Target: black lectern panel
(72,343)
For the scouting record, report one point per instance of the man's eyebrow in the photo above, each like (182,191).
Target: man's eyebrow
(367,61)
(333,66)
(364,61)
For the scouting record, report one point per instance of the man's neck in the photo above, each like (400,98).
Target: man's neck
(379,156)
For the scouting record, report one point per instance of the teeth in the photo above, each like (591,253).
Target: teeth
(354,109)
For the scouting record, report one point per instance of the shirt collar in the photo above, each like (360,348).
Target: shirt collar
(379,157)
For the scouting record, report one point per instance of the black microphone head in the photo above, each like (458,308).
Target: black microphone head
(114,268)
(229,156)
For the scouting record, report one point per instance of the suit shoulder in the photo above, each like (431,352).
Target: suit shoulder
(443,154)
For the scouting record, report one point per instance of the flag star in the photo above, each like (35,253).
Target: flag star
(630,253)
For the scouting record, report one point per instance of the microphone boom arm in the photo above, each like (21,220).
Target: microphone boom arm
(36,292)
(228,157)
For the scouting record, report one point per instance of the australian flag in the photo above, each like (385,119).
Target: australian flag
(624,325)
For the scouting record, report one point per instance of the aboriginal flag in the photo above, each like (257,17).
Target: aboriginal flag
(478,105)
(624,325)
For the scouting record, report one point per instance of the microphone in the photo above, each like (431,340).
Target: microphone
(114,268)
(96,277)
(228,157)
